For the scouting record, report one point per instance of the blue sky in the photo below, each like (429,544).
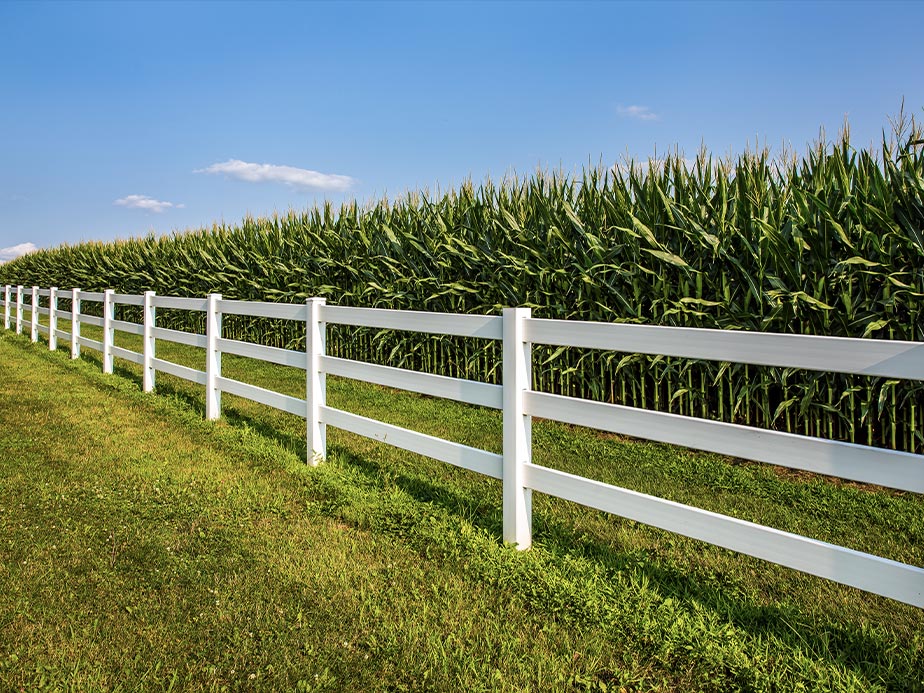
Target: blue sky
(122,118)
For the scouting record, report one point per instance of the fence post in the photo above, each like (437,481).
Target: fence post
(212,359)
(53,318)
(19,310)
(316,380)
(517,372)
(108,331)
(75,323)
(148,367)
(6,307)
(34,315)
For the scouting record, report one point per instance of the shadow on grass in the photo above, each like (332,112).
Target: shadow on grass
(853,647)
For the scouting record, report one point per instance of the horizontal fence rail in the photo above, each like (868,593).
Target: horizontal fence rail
(281,357)
(130,327)
(261,309)
(180,337)
(128,299)
(128,355)
(184,372)
(878,357)
(468,391)
(196,304)
(871,573)
(92,320)
(91,344)
(482,326)
(446,451)
(517,331)
(900,470)
(285,403)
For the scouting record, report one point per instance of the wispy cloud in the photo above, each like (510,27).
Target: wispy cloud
(145,202)
(637,112)
(290,175)
(14,251)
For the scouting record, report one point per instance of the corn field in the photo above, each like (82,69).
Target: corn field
(829,243)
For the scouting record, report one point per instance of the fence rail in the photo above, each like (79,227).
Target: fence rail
(517,331)
(878,357)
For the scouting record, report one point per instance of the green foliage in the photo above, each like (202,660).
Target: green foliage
(832,243)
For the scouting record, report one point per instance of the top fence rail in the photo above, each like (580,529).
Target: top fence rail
(479,326)
(875,357)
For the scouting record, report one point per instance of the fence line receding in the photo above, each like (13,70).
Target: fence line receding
(517,330)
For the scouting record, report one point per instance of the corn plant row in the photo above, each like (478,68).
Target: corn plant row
(828,243)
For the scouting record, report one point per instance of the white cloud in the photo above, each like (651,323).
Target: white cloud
(296,177)
(637,112)
(14,251)
(145,202)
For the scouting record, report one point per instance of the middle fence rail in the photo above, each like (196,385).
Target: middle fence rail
(518,331)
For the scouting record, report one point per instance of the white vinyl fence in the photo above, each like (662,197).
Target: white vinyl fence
(520,477)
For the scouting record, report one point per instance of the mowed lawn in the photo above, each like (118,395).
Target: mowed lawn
(146,549)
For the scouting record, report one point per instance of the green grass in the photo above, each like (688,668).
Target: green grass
(144,548)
